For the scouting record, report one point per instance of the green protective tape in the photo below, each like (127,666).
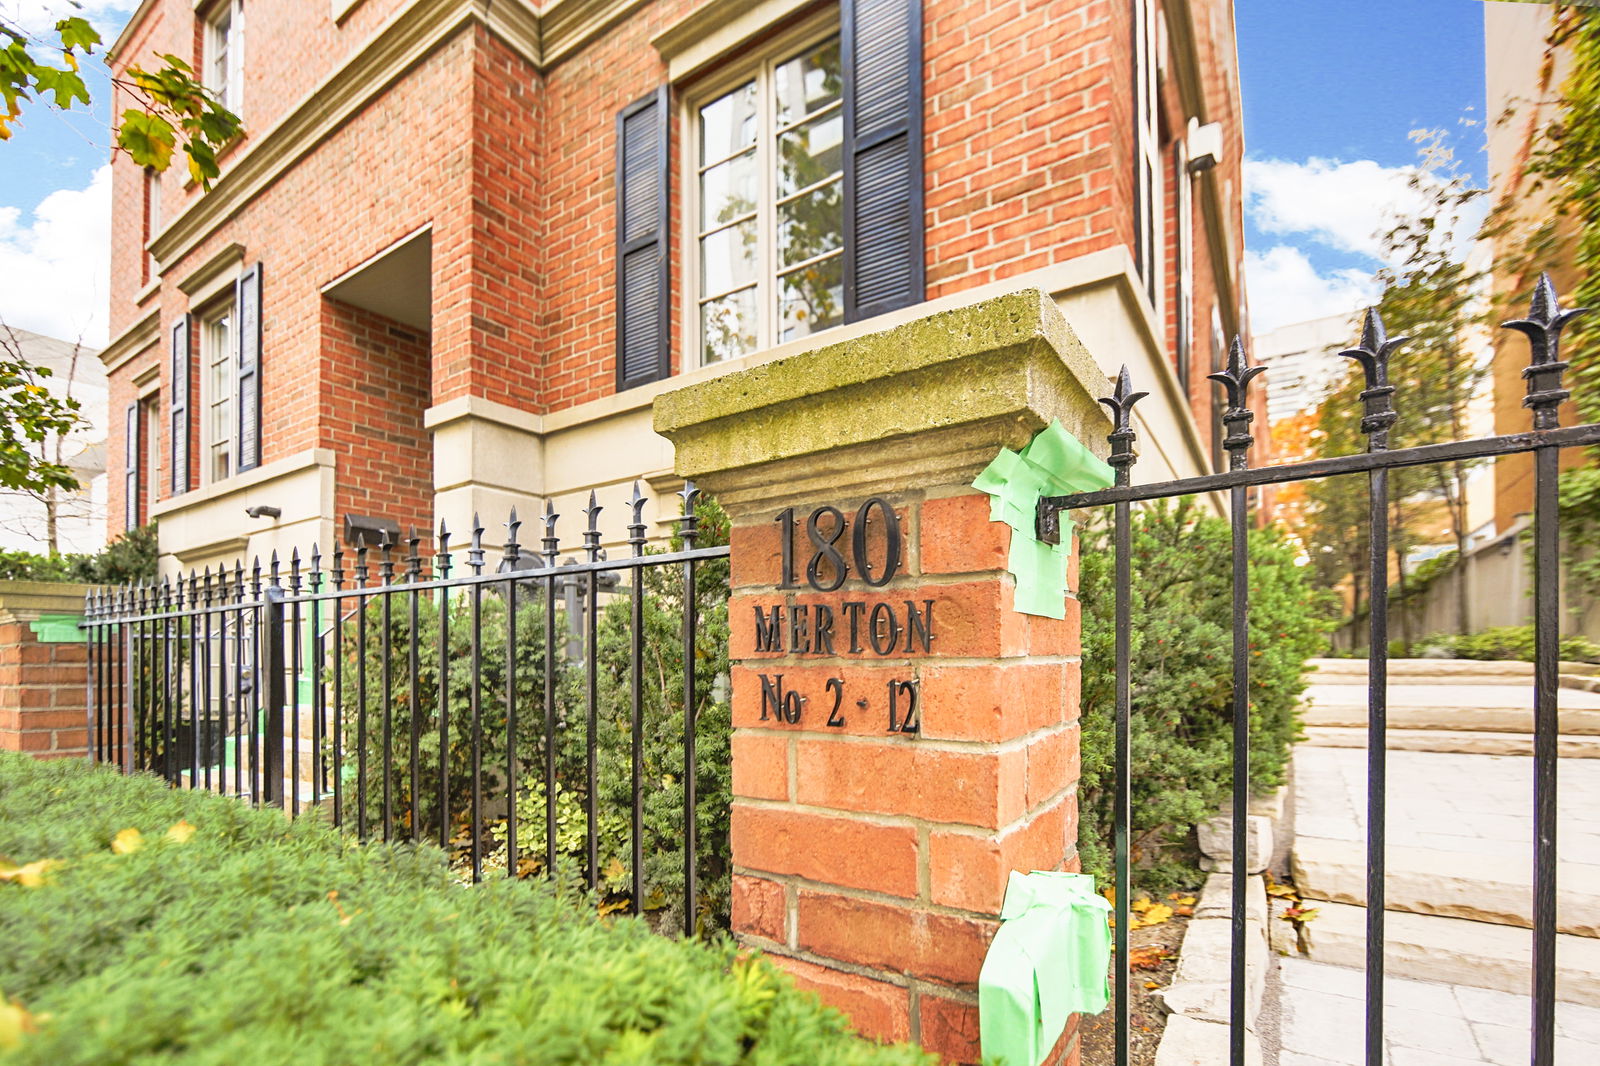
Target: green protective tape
(1047,962)
(58,629)
(1053,463)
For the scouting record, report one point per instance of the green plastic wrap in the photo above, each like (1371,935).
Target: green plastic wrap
(1047,963)
(1054,463)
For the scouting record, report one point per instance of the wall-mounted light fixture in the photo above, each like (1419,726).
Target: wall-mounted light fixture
(263,511)
(1204,145)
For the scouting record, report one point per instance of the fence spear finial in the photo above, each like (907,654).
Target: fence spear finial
(1546,319)
(1373,352)
(552,543)
(1122,434)
(1236,378)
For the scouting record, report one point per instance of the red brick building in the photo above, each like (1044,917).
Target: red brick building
(412,294)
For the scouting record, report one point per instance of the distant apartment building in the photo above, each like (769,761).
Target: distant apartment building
(1303,362)
(68,520)
(464,244)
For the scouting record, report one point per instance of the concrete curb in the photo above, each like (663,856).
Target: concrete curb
(1197,1032)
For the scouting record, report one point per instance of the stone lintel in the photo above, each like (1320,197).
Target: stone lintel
(926,403)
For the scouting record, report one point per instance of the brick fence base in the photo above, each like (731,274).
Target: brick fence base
(43,670)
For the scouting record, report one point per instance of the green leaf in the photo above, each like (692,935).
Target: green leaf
(148,139)
(76,33)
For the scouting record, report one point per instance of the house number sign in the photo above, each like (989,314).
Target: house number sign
(839,554)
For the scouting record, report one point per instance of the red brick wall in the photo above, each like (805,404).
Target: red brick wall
(375,374)
(1029,146)
(42,695)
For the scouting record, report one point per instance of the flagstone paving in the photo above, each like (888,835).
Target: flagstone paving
(1460,855)
(1322,1022)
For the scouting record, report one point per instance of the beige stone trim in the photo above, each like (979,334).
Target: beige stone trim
(215,275)
(142,297)
(484,410)
(568,25)
(129,30)
(149,381)
(341,8)
(131,341)
(250,479)
(716,28)
(25,601)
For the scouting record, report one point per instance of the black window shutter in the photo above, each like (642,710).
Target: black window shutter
(248,301)
(130,475)
(643,337)
(179,405)
(883,221)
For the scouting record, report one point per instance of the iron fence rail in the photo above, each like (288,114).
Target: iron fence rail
(1543,327)
(275,673)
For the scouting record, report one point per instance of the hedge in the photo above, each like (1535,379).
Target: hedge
(258,940)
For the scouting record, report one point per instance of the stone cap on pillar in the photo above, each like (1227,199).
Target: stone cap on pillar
(27,601)
(926,403)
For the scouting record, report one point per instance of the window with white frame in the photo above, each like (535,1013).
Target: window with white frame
(1148,158)
(150,476)
(217,339)
(769,203)
(224,53)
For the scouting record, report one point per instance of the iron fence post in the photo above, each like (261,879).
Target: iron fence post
(272,668)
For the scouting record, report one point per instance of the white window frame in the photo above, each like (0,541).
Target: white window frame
(1150,173)
(216,351)
(150,451)
(778,49)
(224,41)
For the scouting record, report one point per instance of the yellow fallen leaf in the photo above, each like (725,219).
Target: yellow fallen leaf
(15,1023)
(31,875)
(181,833)
(127,842)
(1139,906)
(1151,984)
(1186,901)
(1156,914)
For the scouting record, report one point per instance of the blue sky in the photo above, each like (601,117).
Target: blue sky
(1331,90)
(1344,82)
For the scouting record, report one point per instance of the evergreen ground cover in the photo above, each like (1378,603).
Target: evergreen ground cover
(150,925)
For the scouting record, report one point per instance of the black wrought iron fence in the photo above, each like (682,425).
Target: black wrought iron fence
(412,695)
(1543,327)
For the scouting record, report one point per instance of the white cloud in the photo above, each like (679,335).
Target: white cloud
(1285,287)
(57,264)
(38,17)
(1343,206)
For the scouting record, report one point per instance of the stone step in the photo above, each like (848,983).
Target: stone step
(1435,671)
(1319,711)
(1464,742)
(1428,947)
(1449,883)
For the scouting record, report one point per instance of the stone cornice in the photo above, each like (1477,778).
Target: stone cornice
(129,30)
(131,341)
(567,25)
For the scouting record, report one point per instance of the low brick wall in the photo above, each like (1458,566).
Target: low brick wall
(43,669)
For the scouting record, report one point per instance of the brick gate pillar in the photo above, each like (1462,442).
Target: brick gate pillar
(44,669)
(902,738)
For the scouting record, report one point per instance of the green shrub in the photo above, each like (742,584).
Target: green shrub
(263,941)
(1182,679)
(131,557)
(662,727)
(1511,644)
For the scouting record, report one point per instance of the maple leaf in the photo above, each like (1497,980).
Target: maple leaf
(1145,958)
(127,842)
(31,875)
(181,832)
(1139,906)
(16,1022)
(1156,914)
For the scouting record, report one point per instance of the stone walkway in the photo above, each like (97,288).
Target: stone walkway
(1460,849)
(1323,1019)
